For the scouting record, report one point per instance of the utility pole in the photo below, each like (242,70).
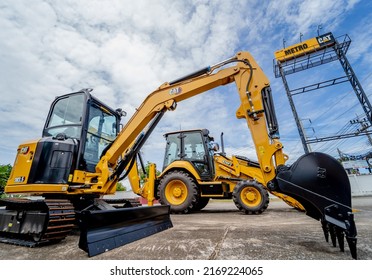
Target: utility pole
(364,124)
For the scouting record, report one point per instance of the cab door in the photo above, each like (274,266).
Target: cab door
(195,150)
(101,130)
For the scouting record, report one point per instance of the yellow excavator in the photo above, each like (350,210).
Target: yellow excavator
(194,171)
(83,153)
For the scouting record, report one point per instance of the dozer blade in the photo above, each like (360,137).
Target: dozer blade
(321,185)
(104,230)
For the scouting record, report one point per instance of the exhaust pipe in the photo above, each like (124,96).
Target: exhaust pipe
(222,145)
(321,185)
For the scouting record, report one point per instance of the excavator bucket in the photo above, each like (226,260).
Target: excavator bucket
(321,185)
(104,230)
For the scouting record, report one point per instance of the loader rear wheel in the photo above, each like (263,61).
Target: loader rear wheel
(178,190)
(250,197)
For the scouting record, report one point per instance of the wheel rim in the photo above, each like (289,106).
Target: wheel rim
(176,192)
(251,197)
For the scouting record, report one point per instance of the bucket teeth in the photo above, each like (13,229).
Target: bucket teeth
(332,231)
(337,236)
(352,241)
(351,234)
(325,230)
(340,238)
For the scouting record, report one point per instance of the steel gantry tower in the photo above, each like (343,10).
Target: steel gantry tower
(315,52)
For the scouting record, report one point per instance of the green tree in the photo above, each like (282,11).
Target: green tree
(120,187)
(4,175)
(142,175)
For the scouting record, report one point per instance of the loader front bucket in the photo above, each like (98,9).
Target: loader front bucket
(104,230)
(321,185)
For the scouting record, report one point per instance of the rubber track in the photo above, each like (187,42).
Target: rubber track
(61,220)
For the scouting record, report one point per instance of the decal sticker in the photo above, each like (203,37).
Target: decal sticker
(175,91)
(24,150)
(19,179)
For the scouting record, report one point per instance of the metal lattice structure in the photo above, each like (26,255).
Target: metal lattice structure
(314,56)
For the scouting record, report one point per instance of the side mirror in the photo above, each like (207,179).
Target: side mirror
(121,112)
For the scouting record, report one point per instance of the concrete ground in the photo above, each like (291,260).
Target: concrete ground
(221,232)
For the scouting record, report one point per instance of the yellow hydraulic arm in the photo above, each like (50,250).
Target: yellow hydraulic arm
(250,82)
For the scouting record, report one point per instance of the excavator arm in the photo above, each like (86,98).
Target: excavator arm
(250,81)
(316,180)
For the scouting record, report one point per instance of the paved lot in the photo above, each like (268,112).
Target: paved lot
(221,232)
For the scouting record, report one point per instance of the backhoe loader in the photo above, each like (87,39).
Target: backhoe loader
(194,171)
(83,154)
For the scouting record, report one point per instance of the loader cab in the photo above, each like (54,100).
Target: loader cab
(86,121)
(194,146)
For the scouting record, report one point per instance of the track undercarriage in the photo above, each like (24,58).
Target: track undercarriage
(36,222)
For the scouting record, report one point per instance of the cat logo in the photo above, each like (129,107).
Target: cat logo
(20,179)
(326,39)
(175,91)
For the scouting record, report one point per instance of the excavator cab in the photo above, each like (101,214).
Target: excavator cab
(193,146)
(86,120)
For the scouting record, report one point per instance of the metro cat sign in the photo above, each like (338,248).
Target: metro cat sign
(306,47)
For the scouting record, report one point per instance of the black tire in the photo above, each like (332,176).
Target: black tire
(250,197)
(179,190)
(203,201)
(37,237)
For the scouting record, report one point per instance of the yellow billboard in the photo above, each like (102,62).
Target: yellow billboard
(306,47)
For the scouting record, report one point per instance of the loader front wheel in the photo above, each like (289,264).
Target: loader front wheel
(250,197)
(178,190)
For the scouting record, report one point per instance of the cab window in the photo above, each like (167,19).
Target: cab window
(194,146)
(172,150)
(66,117)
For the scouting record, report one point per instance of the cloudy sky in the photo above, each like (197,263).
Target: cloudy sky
(125,49)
